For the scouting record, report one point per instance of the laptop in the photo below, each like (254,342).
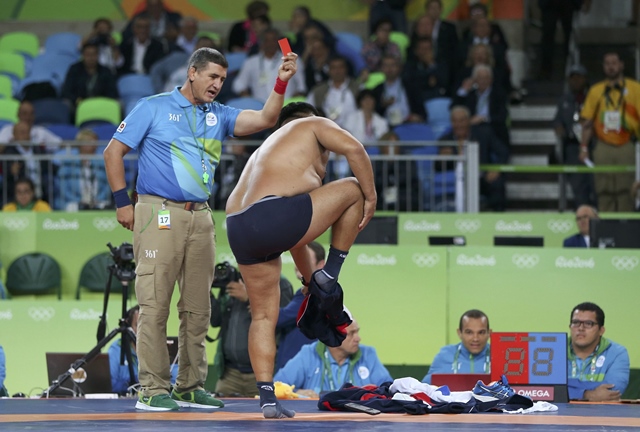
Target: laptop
(93,377)
(459,382)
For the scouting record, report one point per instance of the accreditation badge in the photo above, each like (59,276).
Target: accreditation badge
(612,121)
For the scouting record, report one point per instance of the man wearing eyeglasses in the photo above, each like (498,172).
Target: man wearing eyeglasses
(583,215)
(598,368)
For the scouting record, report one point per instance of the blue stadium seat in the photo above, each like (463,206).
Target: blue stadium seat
(438,115)
(104,131)
(67,132)
(354,57)
(245,103)
(235,60)
(352,40)
(63,42)
(51,110)
(132,87)
(50,68)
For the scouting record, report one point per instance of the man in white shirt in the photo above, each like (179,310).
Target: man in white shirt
(258,71)
(337,96)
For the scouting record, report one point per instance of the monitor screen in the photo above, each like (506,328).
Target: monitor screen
(379,230)
(614,233)
(518,241)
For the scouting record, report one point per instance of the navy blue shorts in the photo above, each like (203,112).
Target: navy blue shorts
(268,227)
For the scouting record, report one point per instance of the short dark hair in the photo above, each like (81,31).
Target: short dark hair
(363,94)
(203,56)
(304,10)
(256,8)
(27,181)
(381,21)
(103,20)
(296,110)
(612,53)
(480,6)
(589,307)
(433,1)
(475,314)
(318,250)
(90,44)
(130,314)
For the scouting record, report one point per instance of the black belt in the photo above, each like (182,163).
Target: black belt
(187,205)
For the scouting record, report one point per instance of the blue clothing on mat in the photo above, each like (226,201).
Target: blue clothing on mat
(176,172)
(457,359)
(609,364)
(314,368)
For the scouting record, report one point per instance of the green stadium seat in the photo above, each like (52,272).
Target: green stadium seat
(34,273)
(12,65)
(402,40)
(5,87)
(20,42)
(9,110)
(374,80)
(95,274)
(98,109)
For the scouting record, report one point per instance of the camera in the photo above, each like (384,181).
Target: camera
(123,258)
(223,274)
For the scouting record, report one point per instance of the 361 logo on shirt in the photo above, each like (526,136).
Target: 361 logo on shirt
(174,117)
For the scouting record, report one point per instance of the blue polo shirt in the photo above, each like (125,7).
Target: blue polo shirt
(173,137)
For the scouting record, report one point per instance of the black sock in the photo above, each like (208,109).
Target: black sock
(270,406)
(334,262)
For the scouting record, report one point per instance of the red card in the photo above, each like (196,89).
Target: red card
(284,46)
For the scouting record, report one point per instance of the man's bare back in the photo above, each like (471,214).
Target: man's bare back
(291,161)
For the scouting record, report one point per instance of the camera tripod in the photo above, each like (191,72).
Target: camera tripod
(124,273)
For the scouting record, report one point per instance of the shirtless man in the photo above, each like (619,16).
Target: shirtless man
(280,204)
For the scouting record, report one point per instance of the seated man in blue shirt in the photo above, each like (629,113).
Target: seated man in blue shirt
(472,354)
(598,368)
(120,379)
(318,368)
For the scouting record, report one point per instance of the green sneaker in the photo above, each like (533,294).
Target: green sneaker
(196,399)
(161,402)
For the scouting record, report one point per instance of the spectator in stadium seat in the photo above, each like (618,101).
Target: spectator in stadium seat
(482,54)
(25,198)
(300,19)
(188,37)
(472,354)
(108,50)
(318,368)
(142,50)
(479,11)
(159,17)
(365,124)
(318,50)
(380,46)
(610,112)
(486,102)
(394,9)
(392,101)
(598,368)
(481,35)
(82,184)
(259,71)
(243,34)
(291,338)
(424,77)
(569,130)
(169,72)
(444,35)
(584,214)
(88,78)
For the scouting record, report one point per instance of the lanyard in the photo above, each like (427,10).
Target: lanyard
(592,368)
(205,174)
(326,371)
(607,95)
(456,364)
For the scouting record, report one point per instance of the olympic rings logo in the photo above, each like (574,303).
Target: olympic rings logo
(425,259)
(560,225)
(523,261)
(468,225)
(41,313)
(16,223)
(625,262)
(105,223)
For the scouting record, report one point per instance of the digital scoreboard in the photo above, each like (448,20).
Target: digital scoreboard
(535,364)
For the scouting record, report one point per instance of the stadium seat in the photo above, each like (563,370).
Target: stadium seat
(235,60)
(51,110)
(374,80)
(353,57)
(104,131)
(63,42)
(5,87)
(438,115)
(12,65)
(50,68)
(21,42)
(9,110)
(245,103)
(132,87)
(66,131)
(98,109)
(34,273)
(352,40)
(95,274)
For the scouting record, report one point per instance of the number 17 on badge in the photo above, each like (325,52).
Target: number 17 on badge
(164,220)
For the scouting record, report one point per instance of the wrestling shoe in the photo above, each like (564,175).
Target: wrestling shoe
(196,399)
(497,390)
(161,402)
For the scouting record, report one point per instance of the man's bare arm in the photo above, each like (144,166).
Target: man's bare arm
(114,166)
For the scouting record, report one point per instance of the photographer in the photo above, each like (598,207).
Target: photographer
(231,312)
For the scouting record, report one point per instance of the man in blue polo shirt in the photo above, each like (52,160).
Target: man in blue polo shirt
(179,136)
(472,354)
